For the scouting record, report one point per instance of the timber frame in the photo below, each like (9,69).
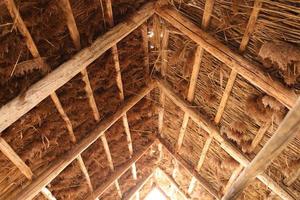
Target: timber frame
(247,171)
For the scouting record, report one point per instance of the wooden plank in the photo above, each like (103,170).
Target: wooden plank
(8,151)
(245,68)
(285,133)
(120,171)
(43,88)
(56,167)
(204,183)
(136,189)
(214,131)
(174,183)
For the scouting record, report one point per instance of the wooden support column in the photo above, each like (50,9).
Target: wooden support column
(204,183)
(174,183)
(245,68)
(57,166)
(58,77)
(286,131)
(144,32)
(214,131)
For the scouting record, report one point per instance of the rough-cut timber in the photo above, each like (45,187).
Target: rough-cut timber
(40,90)
(61,163)
(214,131)
(286,131)
(236,62)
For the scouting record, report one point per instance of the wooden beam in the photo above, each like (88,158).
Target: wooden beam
(285,133)
(260,134)
(56,167)
(164,66)
(214,131)
(136,189)
(120,171)
(248,70)
(8,151)
(174,183)
(43,88)
(204,183)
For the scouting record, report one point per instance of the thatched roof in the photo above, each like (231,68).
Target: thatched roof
(38,39)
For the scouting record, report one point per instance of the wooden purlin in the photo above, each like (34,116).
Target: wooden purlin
(214,131)
(285,133)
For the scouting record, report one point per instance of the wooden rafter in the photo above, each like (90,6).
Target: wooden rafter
(202,181)
(191,92)
(120,171)
(245,68)
(214,131)
(58,77)
(286,131)
(174,183)
(136,189)
(164,66)
(144,32)
(232,77)
(57,166)
(116,60)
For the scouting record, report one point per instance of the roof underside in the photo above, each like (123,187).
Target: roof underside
(40,137)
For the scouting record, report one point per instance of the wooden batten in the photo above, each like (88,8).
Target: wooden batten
(214,131)
(56,167)
(286,131)
(242,66)
(58,77)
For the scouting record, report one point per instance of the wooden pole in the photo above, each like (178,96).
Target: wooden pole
(58,77)
(286,131)
(214,131)
(120,171)
(56,167)
(204,183)
(241,65)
